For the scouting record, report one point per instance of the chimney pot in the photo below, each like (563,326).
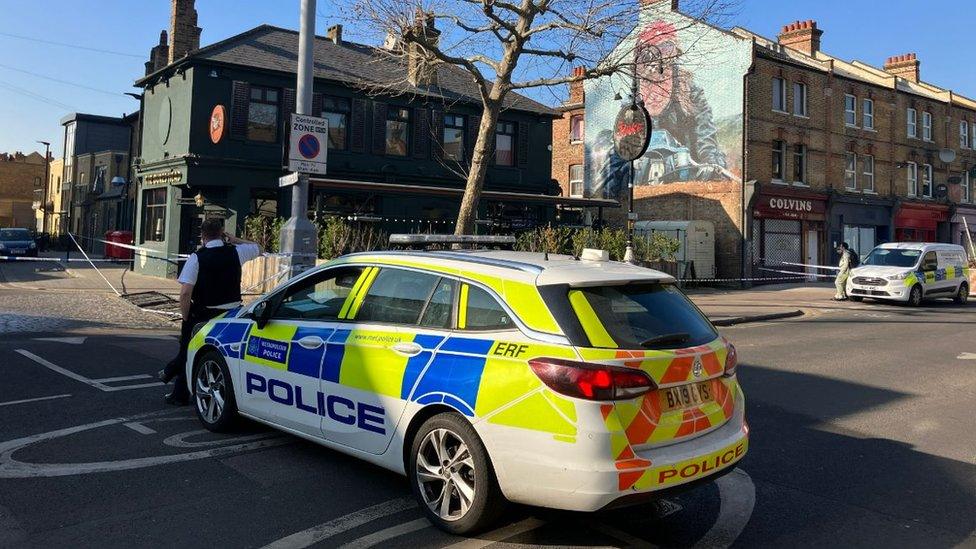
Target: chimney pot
(904,66)
(802,35)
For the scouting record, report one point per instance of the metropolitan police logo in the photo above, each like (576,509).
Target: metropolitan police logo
(697,368)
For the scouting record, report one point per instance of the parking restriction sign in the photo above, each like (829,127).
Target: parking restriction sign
(308,144)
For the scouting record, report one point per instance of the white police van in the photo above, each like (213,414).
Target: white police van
(911,272)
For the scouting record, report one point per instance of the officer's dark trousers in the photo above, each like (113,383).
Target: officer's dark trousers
(177,366)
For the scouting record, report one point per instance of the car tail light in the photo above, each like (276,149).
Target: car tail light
(731,360)
(591,381)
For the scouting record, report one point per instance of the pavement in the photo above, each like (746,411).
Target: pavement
(860,416)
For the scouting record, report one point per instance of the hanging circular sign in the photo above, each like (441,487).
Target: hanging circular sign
(631,132)
(218,123)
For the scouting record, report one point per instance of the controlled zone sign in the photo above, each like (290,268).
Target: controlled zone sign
(308,144)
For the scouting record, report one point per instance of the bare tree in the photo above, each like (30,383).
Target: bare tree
(506,46)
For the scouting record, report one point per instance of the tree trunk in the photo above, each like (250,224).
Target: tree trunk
(480,159)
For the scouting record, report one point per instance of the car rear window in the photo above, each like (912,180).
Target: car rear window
(640,316)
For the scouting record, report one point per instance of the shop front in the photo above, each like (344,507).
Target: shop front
(861,221)
(921,222)
(965,216)
(788,227)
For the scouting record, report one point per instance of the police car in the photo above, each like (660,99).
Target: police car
(911,272)
(486,377)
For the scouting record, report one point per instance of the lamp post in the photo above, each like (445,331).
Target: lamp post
(47,181)
(298,235)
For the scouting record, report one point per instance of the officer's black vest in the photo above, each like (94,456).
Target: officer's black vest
(219,280)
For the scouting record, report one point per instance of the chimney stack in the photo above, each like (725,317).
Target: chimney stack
(422,66)
(576,93)
(904,66)
(335,34)
(158,55)
(646,3)
(801,35)
(183,29)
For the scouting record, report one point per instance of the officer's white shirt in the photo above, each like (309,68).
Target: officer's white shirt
(191,270)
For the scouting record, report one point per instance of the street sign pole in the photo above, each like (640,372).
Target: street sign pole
(299,239)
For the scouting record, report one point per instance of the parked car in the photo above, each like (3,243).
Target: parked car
(17,243)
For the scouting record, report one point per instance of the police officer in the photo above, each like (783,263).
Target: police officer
(210,284)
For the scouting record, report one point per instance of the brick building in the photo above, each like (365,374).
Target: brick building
(788,150)
(20,176)
(54,207)
(567,142)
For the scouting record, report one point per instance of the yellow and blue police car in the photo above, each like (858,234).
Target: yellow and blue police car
(485,377)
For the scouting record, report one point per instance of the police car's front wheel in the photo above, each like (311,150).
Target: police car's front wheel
(452,477)
(213,396)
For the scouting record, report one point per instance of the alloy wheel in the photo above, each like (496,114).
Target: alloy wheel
(446,474)
(210,387)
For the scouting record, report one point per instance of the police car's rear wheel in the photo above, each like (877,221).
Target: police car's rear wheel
(452,477)
(915,296)
(962,296)
(213,395)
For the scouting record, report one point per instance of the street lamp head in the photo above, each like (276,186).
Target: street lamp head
(199,200)
(45,143)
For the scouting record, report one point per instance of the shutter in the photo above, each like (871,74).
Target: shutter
(379,127)
(523,144)
(357,134)
(437,134)
(421,133)
(474,122)
(316,104)
(240,100)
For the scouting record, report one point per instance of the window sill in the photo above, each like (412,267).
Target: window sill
(800,184)
(866,191)
(872,130)
(777,111)
(851,126)
(803,116)
(778,182)
(575,141)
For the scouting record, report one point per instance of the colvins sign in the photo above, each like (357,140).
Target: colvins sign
(789,207)
(791,204)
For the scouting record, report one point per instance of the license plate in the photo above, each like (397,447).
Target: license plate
(17,252)
(873,288)
(686,396)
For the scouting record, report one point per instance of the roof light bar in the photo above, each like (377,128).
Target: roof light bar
(426,240)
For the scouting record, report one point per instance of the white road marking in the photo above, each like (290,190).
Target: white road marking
(336,526)
(26,400)
(499,534)
(738,498)
(62,371)
(140,428)
(386,534)
(96,383)
(68,340)
(967,356)
(13,468)
(122,378)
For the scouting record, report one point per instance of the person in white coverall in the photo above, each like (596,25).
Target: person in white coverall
(845,272)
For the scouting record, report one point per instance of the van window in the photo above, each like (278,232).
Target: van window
(929,262)
(640,316)
(888,257)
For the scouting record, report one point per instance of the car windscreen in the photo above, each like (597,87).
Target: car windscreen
(643,315)
(14,234)
(887,257)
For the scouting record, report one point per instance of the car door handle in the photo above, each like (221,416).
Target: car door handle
(408,348)
(311,342)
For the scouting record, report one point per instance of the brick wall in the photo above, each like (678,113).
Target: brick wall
(566,153)
(17,175)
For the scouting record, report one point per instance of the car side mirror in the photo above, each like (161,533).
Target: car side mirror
(261,314)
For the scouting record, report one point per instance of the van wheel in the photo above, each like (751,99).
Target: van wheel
(452,477)
(213,394)
(962,296)
(915,296)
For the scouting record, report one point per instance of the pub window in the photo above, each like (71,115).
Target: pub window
(868,114)
(912,117)
(912,169)
(779,95)
(779,160)
(262,115)
(397,131)
(868,172)
(576,128)
(153,215)
(927,126)
(927,180)
(336,110)
(576,180)
(799,164)
(850,171)
(850,110)
(453,137)
(799,99)
(964,134)
(505,144)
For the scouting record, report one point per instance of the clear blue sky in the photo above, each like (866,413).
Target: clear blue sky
(31,107)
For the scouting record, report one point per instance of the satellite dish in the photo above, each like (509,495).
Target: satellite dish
(947,155)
